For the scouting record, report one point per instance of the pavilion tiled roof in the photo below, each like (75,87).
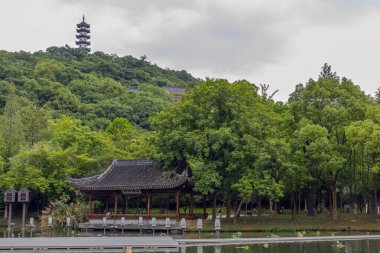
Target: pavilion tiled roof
(130,175)
(176,90)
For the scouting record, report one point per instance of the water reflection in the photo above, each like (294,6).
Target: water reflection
(363,246)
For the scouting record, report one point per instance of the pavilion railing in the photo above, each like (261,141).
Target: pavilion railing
(156,215)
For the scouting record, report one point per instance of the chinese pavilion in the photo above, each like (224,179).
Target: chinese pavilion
(83,35)
(136,178)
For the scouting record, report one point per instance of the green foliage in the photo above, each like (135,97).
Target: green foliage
(11,128)
(68,112)
(223,132)
(130,141)
(322,110)
(72,149)
(61,209)
(91,87)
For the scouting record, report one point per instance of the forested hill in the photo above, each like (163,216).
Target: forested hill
(91,87)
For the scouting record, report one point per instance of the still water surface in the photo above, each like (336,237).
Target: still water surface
(359,246)
(365,246)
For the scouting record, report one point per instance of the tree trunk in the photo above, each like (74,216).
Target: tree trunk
(375,200)
(334,204)
(228,213)
(331,204)
(293,205)
(310,203)
(238,210)
(299,201)
(246,210)
(275,207)
(251,207)
(204,206)
(270,207)
(305,207)
(214,206)
(258,209)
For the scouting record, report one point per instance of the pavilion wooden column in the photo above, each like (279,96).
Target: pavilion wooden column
(148,204)
(90,203)
(116,194)
(177,204)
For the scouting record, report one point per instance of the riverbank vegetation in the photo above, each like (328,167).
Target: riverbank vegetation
(311,225)
(67,112)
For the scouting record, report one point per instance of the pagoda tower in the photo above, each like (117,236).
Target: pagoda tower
(83,35)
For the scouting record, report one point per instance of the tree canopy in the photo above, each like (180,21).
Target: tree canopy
(68,112)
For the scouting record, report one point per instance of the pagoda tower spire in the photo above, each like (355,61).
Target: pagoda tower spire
(83,35)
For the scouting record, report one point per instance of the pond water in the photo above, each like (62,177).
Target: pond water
(364,246)
(359,246)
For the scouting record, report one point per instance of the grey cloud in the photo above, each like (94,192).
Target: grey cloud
(223,38)
(208,34)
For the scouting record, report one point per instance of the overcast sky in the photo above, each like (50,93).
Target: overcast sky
(276,42)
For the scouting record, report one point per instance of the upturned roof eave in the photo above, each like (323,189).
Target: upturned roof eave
(120,188)
(92,183)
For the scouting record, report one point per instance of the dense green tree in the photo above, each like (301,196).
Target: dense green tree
(364,140)
(324,108)
(12,128)
(210,131)
(72,149)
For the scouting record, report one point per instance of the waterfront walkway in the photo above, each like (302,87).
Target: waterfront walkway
(144,243)
(87,243)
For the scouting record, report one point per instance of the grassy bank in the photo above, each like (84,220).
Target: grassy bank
(346,222)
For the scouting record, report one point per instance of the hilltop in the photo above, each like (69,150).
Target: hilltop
(95,88)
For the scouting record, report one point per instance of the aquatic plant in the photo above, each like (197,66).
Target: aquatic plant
(339,245)
(246,247)
(301,234)
(61,209)
(237,235)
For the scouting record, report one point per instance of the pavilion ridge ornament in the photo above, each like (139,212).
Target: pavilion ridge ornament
(83,35)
